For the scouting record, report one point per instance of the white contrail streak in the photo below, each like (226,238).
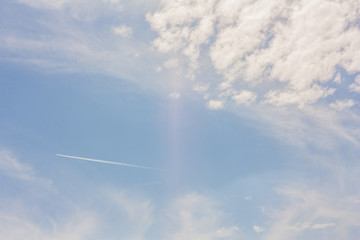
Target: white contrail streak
(107,162)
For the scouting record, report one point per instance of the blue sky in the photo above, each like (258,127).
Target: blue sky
(247,110)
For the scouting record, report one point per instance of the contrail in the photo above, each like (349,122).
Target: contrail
(107,162)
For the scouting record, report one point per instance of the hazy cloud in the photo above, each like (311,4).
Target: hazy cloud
(122,30)
(195,217)
(10,165)
(258,229)
(174,95)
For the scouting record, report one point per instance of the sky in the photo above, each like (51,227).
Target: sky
(193,119)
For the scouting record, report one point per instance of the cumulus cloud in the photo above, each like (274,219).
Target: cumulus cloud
(174,25)
(355,87)
(280,60)
(337,78)
(215,105)
(244,97)
(342,104)
(301,98)
(292,49)
(286,53)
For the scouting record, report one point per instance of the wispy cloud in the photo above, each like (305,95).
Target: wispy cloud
(106,162)
(195,216)
(123,31)
(10,165)
(78,226)
(174,95)
(310,210)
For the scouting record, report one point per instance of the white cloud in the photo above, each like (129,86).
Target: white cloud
(355,87)
(46,3)
(342,104)
(78,36)
(260,46)
(201,87)
(265,44)
(171,63)
(81,10)
(183,26)
(301,98)
(309,210)
(227,232)
(322,225)
(26,214)
(174,95)
(337,78)
(11,166)
(114,214)
(258,229)
(117,4)
(215,104)
(319,126)
(138,212)
(122,30)
(158,69)
(77,227)
(244,97)
(195,217)
(8,162)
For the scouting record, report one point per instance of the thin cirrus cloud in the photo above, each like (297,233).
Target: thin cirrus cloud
(309,211)
(77,36)
(61,4)
(11,166)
